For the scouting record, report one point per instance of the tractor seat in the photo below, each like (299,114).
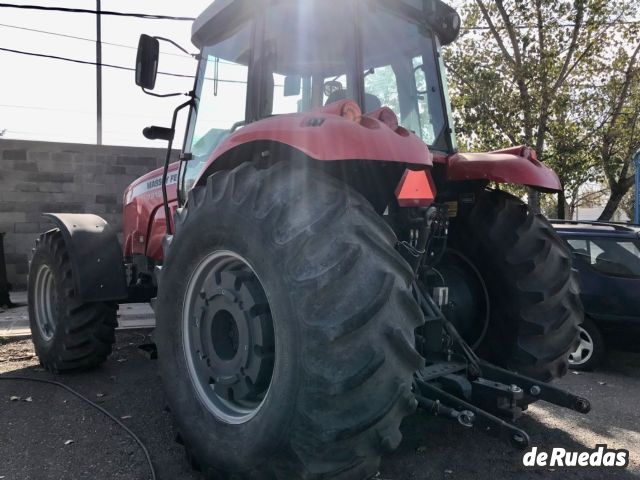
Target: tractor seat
(371,102)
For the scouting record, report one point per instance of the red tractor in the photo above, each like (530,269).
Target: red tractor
(321,260)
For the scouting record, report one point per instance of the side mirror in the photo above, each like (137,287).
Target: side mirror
(292,85)
(147,62)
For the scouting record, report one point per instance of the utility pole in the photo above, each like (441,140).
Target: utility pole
(98,73)
(637,162)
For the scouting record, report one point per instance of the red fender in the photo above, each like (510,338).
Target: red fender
(517,165)
(338,131)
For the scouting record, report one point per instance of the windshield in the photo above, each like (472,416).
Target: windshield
(402,72)
(314,56)
(302,55)
(313,62)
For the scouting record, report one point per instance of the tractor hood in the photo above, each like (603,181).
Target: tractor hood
(223,17)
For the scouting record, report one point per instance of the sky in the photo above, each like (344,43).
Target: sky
(52,100)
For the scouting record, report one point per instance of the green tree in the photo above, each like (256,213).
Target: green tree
(620,135)
(513,73)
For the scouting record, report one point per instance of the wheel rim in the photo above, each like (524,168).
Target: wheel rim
(44,302)
(584,352)
(228,337)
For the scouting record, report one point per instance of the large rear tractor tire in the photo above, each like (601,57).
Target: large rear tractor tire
(285,327)
(67,335)
(535,307)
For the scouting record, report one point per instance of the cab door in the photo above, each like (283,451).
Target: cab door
(220,104)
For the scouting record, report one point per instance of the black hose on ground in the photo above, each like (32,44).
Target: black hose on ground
(97,407)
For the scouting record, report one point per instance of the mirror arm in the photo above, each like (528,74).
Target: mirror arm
(168,40)
(164,95)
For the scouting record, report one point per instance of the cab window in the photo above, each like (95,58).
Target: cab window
(221,95)
(301,75)
(402,73)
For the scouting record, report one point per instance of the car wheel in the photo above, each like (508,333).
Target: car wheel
(590,351)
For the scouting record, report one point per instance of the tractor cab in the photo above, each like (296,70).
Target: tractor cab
(285,57)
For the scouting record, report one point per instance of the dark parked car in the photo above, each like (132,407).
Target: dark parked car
(607,255)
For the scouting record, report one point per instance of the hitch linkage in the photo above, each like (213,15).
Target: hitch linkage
(475,392)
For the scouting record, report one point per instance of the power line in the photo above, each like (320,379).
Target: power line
(85,62)
(93,40)
(108,65)
(94,12)
(562,25)
(66,110)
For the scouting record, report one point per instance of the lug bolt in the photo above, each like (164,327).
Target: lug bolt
(535,390)
(515,389)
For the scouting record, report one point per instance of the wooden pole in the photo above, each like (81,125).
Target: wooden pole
(98,74)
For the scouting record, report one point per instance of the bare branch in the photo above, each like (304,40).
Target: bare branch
(624,91)
(494,32)
(575,35)
(511,32)
(587,49)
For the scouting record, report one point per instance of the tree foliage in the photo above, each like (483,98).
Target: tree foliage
(551,74)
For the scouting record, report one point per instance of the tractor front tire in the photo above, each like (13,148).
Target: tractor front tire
(285,327)
(67,335)
(535,307)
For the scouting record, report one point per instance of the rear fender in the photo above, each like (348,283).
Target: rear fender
(95,255)
(326,134)
(518,165)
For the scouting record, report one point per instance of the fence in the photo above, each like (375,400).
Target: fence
(38,177)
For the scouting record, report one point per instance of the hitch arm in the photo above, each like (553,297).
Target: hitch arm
(481,419)
(536,389)
(464,417)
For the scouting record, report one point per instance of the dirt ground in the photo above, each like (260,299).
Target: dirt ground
(46,433)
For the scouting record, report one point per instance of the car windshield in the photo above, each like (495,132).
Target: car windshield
(609,256)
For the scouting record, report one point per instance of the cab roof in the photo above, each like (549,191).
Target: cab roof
(223,17)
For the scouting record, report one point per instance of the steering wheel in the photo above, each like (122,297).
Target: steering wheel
(332,86)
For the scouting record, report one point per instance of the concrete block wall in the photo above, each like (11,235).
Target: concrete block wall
(37,177)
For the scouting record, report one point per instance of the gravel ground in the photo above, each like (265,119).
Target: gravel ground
(49,434)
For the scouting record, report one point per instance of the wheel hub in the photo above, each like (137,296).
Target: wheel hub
(228,337)
(468,305)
